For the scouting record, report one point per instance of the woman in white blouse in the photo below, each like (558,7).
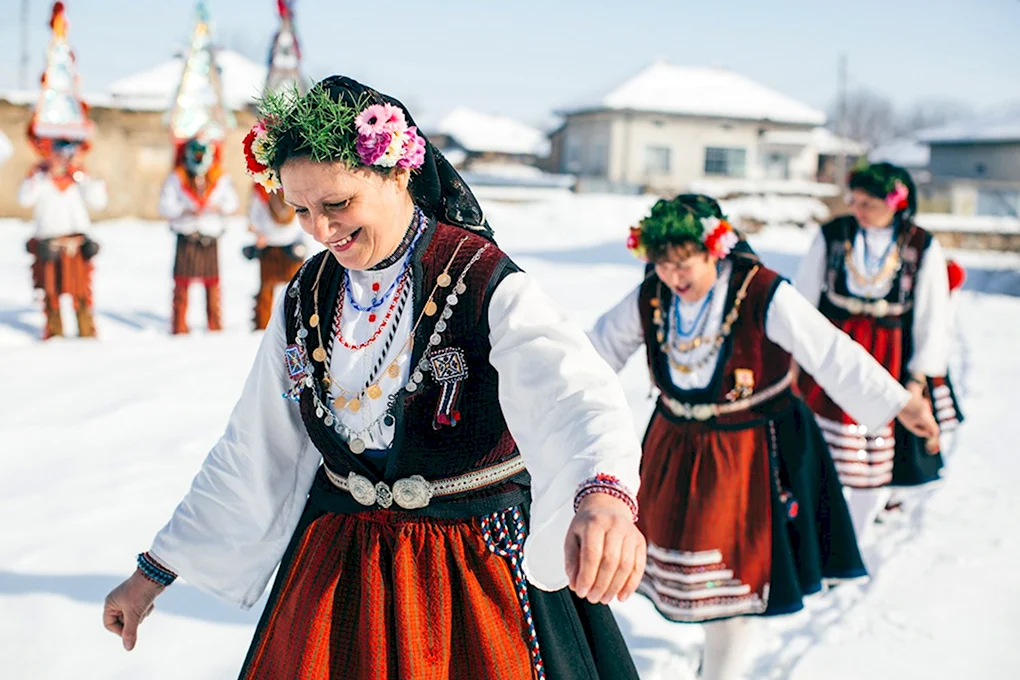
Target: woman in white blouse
(882,280)
(431,447)
(741,507)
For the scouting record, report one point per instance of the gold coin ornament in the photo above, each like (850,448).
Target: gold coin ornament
(393,371)
(340,402)
(313,321)
(374,392)
(430,308)
(444,280)
(354,405)
(319,354)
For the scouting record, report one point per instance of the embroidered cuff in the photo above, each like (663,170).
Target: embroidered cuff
(154,571)
(608,484)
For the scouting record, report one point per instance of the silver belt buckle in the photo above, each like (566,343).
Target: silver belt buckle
(411,493)
(880,308)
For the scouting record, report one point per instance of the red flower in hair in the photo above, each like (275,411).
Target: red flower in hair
(254,166)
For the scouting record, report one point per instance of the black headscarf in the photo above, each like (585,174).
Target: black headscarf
(436,186)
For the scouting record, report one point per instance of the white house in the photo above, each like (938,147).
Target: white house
(669,125)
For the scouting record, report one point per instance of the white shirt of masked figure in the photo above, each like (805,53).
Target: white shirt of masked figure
(61,212)
(276,234)
(185,215)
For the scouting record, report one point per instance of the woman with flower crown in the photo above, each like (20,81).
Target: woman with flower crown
(426,446)
(883,280)
(741,507)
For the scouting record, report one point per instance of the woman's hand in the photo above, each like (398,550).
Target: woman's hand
(917,417)
(127,605)
(605,552)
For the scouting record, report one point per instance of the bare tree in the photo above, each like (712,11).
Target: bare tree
(932,113)
(870,117)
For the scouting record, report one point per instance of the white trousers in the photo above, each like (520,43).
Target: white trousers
(865,504)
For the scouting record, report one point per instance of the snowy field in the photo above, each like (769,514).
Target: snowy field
(100,439)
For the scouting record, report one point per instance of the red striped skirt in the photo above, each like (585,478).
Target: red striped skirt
(863,458)
(384,595)
(197,258)
(67,273)
(705,502)
(277,266)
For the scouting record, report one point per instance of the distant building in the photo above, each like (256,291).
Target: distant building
(977,163)
(468,138)
(670,125)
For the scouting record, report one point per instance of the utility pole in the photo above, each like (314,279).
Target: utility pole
(841,168)
(23,73)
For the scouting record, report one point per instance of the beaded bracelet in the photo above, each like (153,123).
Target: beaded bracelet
(154,571)
(607,484)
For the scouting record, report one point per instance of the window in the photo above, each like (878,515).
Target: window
(777,165)
(599,159)
(656,160)
(726,162)
(998,202)
(573,156)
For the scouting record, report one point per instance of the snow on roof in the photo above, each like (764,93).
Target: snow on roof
(908,153)
(154,88)
(823,140)
(482,132)
(723,186)
(1000,126)
(663,87)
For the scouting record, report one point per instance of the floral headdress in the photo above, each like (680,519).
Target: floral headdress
(885,181)
(329,130)
(688,217)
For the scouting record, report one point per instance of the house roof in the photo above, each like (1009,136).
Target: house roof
(908,153)
(998,126)
(154,88)
(663,87)
(481,133)
(823,140)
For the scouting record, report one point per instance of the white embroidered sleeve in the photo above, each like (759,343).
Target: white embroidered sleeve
(843,368)
(931,315)
(566,410)
(228,534)
(172,204)
(811,272)
(618,334)
(93,191)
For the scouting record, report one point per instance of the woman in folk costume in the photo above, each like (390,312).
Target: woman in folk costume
(741,506)
(196,199)
(882,280)
(279,247)
(279,240)
(59,190)
(441,448)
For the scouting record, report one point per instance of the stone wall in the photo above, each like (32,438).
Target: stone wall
(131,151)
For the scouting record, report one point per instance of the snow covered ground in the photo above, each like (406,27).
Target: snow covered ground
(99,440)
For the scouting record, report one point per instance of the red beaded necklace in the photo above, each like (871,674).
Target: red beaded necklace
(378,331)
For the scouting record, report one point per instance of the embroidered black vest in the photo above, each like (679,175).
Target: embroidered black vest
(913,242)
(746,349)
(422,446)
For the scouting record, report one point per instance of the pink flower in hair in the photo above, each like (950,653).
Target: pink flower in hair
(372,147)
(414,150)
(380,118)
(897,198)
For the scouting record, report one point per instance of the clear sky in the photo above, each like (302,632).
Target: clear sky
(525,58)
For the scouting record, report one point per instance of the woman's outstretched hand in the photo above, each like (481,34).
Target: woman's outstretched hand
(127,605)
(605,552)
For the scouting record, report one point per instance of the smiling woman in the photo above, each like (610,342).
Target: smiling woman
(450,453)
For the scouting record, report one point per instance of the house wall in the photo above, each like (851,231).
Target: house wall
(627,136)
(131,152)
(992,162)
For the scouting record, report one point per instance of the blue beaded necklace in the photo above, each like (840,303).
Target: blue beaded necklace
(881,260)
(378,302)
(680,330)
